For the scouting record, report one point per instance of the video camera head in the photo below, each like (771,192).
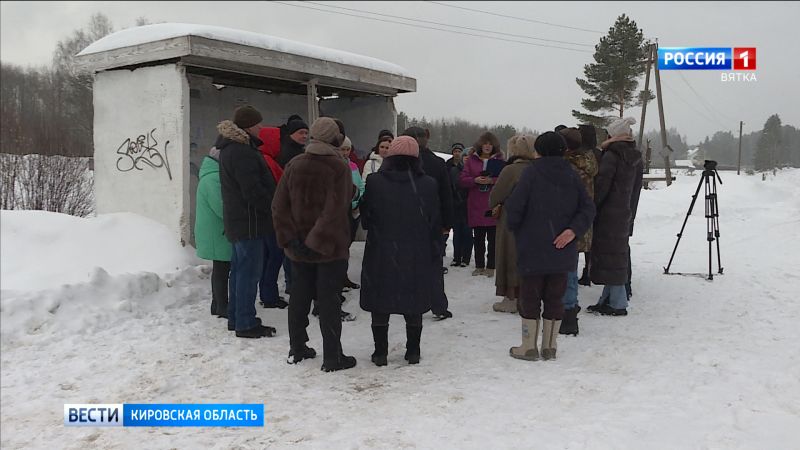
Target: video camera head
(710,165)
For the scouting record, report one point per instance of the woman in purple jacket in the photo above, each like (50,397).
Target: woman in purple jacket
(479,180)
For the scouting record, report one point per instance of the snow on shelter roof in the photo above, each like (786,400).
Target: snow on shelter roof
(138,45)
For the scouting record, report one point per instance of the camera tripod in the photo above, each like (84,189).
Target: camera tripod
(709,179)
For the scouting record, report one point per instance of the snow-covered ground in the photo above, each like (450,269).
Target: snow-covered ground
(696,364)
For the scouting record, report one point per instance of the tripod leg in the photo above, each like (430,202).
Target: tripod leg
(683,227)
(716,225)
(709,224)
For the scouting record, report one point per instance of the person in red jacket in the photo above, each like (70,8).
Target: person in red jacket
(273,254)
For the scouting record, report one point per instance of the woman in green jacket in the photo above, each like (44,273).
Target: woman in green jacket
(209,232)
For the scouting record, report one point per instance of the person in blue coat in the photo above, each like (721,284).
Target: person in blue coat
(547,210)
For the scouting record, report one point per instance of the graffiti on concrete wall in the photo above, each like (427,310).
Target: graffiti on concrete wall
(143,151)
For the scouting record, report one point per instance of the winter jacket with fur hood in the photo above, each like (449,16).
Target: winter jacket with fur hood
(247,184)
(312,201)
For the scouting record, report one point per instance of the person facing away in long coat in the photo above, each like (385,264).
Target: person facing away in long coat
(402,257)
(521,153)
(620,167)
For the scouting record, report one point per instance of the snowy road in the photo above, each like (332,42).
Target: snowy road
(696,364)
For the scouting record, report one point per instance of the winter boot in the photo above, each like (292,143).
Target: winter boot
(350,284)
(607,310)
(304,353)
(489,273)
(478,272)
(585,280)
(570,323)
(442,315)
(256,332)
(455,263)
(413,336)
(549,335)
(343,362)
(380,334)
(508,305)
(530,335)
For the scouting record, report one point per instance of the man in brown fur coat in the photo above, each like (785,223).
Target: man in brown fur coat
(310,214)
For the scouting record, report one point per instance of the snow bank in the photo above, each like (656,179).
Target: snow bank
(157,32)
(42,250)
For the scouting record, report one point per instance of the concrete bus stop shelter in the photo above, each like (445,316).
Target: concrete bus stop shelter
(160,90)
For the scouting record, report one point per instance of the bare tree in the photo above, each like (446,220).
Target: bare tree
(48,183)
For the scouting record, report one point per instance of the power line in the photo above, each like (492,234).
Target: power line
(701,114)
(707,106)
(433,28)
(450,25)
(524,19)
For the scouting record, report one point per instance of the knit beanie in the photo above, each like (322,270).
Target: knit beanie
(385,133)
(326,130)
(347,143)
(550,144)
(296,125)
(572,137)
(621,127)
(246,116)
(403,146)
(457,146)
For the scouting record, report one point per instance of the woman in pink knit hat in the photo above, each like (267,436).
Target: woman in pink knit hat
(402,257)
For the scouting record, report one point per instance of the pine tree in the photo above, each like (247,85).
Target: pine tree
(611,82)
(769,144)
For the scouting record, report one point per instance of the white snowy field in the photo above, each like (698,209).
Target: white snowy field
(696,364)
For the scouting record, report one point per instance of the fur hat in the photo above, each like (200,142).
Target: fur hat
(521,145)
(550,144)
(621,127)
(326,130)
(572,137)
(488,138)
(403,146)
(246,116)
(295,125)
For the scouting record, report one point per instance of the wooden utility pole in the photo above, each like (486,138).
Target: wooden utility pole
(665,149)
(739,164)
(313,104)
(646,98)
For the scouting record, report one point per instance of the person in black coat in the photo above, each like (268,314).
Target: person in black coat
(462,233)
(547,210)
(435,167)
(614,194)
(294,136)
(402,257)
(247,191)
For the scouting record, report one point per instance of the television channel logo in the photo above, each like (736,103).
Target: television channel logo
(735,63)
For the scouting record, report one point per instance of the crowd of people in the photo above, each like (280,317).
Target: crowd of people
(295,197)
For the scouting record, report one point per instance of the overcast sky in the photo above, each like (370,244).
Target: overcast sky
(482,79)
